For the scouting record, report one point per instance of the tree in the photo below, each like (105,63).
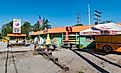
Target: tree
(3,31)
(7,28)
(10,27)
(0,36)
(108,21)
(26,28)
(45,24)
(78,25)
(37,27)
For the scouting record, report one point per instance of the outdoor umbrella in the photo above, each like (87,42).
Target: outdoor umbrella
(48,40)
(108,28)
(90,31)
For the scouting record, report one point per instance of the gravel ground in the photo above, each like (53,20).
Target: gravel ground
(25,62)
(88,61)
(74,62)
(108,63)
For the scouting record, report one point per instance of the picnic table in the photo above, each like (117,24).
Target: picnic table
(17,44)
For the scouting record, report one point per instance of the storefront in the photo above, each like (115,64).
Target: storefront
(58,35)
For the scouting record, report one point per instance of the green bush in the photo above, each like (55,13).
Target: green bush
(29,37)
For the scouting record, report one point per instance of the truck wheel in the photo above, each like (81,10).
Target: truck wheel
(107,48)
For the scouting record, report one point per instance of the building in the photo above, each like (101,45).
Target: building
(58,35)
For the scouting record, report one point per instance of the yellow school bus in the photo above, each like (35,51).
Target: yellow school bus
(108,43)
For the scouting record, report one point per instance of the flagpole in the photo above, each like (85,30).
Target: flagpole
(89,19)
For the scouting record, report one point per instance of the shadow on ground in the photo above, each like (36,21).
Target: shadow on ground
(90,62)
(96,53)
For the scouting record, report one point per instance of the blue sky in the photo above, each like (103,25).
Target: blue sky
(59,12)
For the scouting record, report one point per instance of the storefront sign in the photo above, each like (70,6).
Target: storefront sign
(16,26)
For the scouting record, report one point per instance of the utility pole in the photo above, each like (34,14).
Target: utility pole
(97,15)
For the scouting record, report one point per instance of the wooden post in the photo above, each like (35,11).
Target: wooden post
(76,38)
(79,40)
(62,39)
(66,39)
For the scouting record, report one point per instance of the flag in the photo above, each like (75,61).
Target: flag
(40,20)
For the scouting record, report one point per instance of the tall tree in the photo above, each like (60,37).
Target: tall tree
(37,27)
(0,36)
(45,24)
(7,28)
(26,28)
(10,27)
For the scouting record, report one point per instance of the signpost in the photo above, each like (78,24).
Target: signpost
(16,26)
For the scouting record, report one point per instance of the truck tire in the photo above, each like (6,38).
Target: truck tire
(107,49)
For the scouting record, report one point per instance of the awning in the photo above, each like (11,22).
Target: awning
(90,32)
(109,29)
(16,35)
(103,29)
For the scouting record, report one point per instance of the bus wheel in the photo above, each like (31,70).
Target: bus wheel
(107,48)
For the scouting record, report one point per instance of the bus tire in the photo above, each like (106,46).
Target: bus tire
(107,49)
